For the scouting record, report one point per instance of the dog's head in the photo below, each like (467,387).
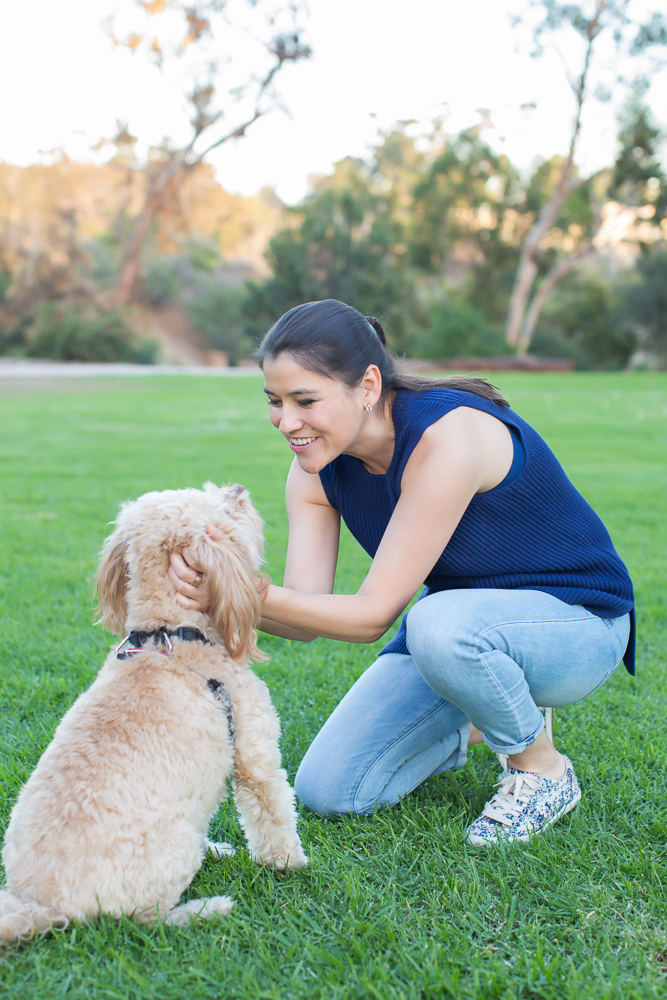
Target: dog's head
(133,588)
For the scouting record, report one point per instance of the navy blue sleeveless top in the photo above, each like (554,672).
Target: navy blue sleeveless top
(534,531)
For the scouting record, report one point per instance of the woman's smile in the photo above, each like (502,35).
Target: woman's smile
(300,443)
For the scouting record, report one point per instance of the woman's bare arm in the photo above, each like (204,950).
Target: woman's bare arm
(312,552)
(464,453)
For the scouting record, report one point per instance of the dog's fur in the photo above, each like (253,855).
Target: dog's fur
(114,819)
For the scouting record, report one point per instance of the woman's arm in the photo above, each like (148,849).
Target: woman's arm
(312,551)
(464,453)
(314,534)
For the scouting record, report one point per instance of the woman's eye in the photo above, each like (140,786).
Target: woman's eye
(306,402)
(273,402)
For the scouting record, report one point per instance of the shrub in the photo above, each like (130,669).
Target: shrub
(458,330)
(219,317)
(5,282)
(646,304)
(79,332)
(162,283)
(585,321)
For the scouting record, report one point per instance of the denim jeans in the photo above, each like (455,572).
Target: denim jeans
(488,656)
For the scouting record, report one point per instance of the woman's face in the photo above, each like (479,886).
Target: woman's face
(320,417)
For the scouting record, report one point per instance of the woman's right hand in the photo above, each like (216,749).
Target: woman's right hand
(189,581)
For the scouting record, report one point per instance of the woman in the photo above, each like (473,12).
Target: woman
(526,601)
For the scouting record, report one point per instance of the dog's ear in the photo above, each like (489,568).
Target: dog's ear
(235,604)
(111,584)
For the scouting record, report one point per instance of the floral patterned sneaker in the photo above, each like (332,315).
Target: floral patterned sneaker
(524,805)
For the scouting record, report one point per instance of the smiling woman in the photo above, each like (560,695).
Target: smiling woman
(526,602)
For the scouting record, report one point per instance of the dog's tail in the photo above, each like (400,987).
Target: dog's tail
(22,919)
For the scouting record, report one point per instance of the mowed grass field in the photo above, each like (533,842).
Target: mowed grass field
(393,905)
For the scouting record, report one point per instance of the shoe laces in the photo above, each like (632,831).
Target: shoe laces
(515,790)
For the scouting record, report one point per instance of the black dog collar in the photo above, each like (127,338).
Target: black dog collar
(136,639)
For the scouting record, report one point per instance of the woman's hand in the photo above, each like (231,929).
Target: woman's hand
(189,581)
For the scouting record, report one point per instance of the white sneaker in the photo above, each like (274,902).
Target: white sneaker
(524,805)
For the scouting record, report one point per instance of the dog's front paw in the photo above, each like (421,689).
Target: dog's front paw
(292,857)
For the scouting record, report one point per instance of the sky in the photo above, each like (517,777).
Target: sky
(374,62)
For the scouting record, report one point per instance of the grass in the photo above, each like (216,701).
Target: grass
(395,905)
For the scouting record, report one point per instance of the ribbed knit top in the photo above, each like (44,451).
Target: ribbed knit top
(533,532)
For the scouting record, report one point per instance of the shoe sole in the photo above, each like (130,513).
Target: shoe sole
(525,839)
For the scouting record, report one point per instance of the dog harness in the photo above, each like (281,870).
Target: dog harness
(136,639)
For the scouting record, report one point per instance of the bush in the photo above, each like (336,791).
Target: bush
(219,317)
(80,332)
(162,283)
(458,330)
(5,282)
(585,321)
(646,304)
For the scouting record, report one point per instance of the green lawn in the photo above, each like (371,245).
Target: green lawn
(392,906)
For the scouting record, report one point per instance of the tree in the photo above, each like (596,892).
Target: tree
(632,39)
(466,218)
(275,39)
(647,305)
(346,243)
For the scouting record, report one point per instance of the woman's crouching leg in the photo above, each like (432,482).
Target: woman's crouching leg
(390,733)
(498,654)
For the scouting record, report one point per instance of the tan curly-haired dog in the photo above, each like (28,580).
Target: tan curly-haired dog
(114,818)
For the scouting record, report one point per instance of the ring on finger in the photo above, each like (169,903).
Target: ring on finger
(197,580)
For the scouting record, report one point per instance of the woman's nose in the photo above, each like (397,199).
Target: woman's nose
(290,420)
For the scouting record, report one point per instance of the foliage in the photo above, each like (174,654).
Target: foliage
(464,212)
(647,304)
(221,41)
(394,905)
(77,331)
(219,317)
(346,244)
(638,177)
(203,254)
(5,282)
(585,321)
(162,284)
(638,54)
(456,330)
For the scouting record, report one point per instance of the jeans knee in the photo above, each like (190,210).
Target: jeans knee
(430,640)
(315,789)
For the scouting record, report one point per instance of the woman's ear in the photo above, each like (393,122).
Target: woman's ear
(111,584)
(235,605)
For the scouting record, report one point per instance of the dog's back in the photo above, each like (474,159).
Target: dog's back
(114,817)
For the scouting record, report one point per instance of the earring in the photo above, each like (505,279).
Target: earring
(369,408)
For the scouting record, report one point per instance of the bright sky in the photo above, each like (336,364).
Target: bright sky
(374,62)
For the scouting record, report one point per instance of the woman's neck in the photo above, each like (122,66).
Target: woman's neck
(374,445)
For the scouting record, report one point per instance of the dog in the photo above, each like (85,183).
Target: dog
(114,818)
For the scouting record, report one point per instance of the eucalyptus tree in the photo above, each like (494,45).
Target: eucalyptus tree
(639,46)
(232,52)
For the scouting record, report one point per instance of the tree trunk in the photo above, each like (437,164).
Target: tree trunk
(172,172)
(543,293)
(527,269)
(132,259)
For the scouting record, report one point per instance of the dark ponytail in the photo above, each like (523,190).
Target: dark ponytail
(333,339)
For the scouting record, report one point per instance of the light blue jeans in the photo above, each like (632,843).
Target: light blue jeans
(488,656)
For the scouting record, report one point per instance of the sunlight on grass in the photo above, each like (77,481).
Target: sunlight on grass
(392,906)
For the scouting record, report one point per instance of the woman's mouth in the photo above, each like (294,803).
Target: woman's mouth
(300,444)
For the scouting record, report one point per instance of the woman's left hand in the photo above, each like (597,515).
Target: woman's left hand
(189,581)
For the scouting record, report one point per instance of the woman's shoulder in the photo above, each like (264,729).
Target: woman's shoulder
(414,409)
